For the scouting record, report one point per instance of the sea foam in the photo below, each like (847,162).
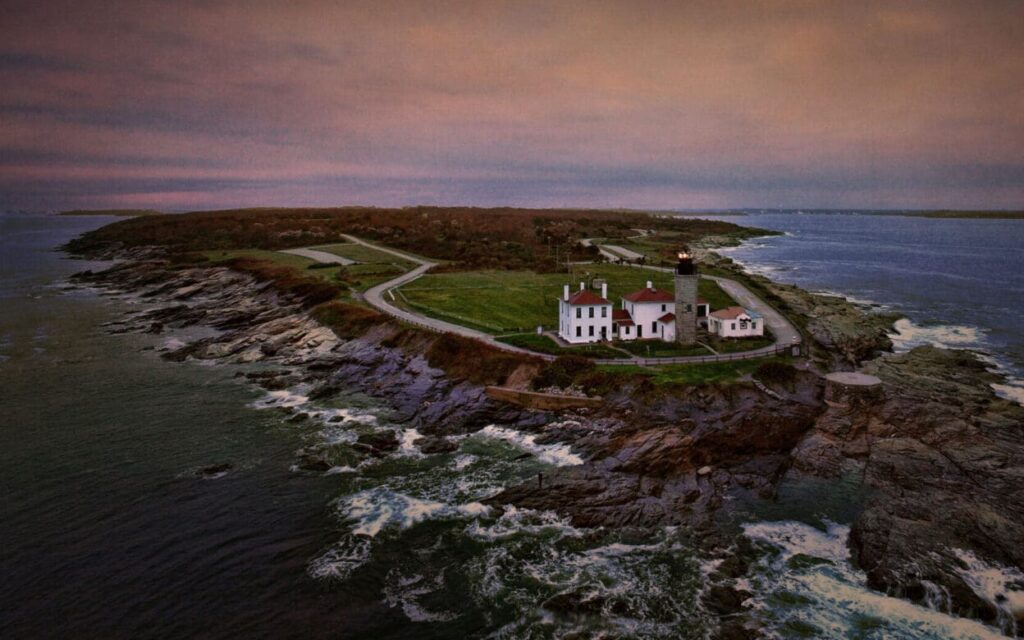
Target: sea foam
(559,455)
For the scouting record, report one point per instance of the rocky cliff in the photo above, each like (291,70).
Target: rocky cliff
(938,459)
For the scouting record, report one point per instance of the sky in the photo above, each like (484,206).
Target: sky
(199,104)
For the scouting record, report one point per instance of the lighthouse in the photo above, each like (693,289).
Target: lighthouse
(686,299)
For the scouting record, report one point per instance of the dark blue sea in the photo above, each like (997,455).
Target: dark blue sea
(109,529)
(959,282)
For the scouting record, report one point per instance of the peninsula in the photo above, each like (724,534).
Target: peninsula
(431,309)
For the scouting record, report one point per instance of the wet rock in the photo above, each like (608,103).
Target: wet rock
(309,461)
(723,600)
(436,444)
(216,470)
(378,444)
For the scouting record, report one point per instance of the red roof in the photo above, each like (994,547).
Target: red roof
(585,297)
(729,314)
(667,318)
(650,295)
(621,316)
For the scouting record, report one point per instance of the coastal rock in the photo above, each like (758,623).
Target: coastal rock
(378,443)
(941,459)
(435,444)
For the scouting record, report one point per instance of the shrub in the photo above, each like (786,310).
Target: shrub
(347,320)
(472,360)
(778,373)
(309,290)
(562,371)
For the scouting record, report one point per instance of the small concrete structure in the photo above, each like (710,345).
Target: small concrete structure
(849,389)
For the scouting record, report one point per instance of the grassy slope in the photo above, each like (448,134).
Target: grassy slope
(504,301)
(544,344)
(365,255)
(707,373)
(358,277)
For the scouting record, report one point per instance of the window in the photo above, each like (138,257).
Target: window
(604,312)
(579,332)
(663,308)
(689,308)
(591,312)
(591,331)
(579,312)
(654,327)
(733,325)
(753,324)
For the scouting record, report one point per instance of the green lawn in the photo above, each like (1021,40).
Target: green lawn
(358,277)
(283,259)
(544,344)
(704,373)
(518,301)
(365,255)
(735,345)
(659,349)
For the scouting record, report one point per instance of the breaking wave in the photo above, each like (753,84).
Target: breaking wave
(808,587)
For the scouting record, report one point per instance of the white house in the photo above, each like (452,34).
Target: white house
(584,316)
(735,322)
(649,314)
(645,307)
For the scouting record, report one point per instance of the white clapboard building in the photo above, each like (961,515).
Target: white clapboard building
(735,322)
(584,316)
(644,314)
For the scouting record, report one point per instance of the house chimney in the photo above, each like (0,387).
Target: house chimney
(583,285)
(650,285)
(604,290)
(565,292)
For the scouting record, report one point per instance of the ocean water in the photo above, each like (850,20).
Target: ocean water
(110,530)
(959,282)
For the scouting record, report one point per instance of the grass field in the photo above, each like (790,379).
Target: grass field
(735,345)
(706,373)
(544,344)
(518,301)
(358,277)
(282,259)
(659,349)
(365,255)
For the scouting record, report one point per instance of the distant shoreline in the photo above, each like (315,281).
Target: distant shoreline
(981,215)
(124,213)
(936,213)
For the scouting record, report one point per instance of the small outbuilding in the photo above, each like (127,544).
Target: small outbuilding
(735,322)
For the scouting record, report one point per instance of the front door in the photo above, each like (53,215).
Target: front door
(639,331)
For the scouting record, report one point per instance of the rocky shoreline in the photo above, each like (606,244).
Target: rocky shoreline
(936,461)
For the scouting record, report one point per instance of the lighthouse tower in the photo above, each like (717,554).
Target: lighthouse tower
(686,299)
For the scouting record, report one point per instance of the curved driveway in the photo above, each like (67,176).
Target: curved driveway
(786,335)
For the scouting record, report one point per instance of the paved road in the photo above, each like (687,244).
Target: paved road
(586,242)
(379,297)
(622,251)
(319,256)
